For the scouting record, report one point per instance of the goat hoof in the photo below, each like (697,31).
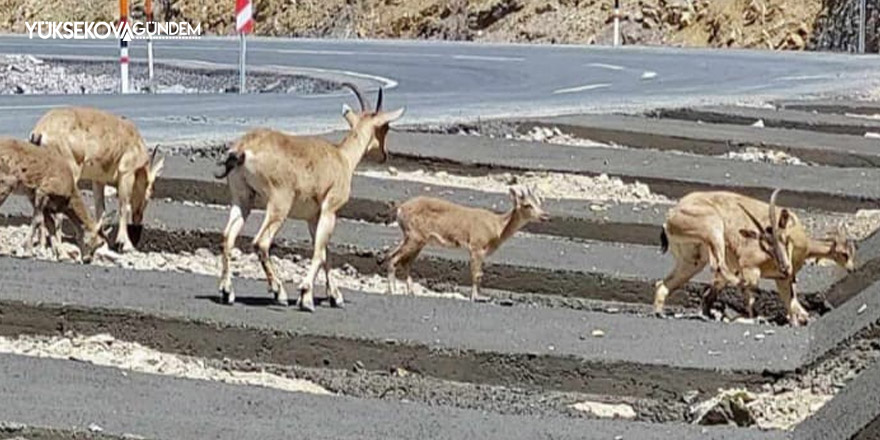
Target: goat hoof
(280,297)
(306,306)
(124,247)
(227,297)
(337,303)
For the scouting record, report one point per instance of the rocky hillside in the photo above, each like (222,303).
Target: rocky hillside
(774,24)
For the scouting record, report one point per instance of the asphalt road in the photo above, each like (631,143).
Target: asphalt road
(430,322)
(53,393)
(442,81)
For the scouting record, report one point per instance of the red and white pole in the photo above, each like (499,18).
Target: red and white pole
(123,45)
(244,24)
(148,10)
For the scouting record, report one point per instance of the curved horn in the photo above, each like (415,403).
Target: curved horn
(153,156)
(358,94)
(379,101)
(752,218)
(773,210)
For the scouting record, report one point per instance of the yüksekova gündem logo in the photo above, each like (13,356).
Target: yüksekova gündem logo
(102,30)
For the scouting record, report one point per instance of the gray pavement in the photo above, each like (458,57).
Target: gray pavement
(435,323)
(373,200)
(830,188)
(440,81)
(716,139)
(852,409)
(525,263)
(65,394)
(778,118)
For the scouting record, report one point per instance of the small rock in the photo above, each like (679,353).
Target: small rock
(690,397)
(393,171)
(729,408)
(597,333)
(759,337)
(759,123)
(862,309)
(605,410)
(93,427)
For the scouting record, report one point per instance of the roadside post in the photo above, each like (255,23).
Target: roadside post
(148,10)
(123,46)
(862,20)
(244,24)
(617,23)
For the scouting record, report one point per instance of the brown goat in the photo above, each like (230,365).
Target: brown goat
(306,178)
(48,183)
(427,220)
(107,150)
(735,233)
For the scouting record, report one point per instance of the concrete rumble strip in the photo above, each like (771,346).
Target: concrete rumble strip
(54,392)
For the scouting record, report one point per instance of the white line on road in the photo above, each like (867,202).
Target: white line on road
(582,88)
(386,83)
(486,58)
(351,52)
(606,66)
(29,107)
(804,77)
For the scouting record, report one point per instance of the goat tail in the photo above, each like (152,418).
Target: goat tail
(664,241)
(36,138)
(233,160)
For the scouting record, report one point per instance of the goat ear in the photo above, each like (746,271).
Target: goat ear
(389,117)
(748,233)
(784,218)
(516,195)
(350,116)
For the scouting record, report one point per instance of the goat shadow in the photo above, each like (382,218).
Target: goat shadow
(259,301)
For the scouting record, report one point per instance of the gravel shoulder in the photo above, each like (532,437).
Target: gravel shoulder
(28,75)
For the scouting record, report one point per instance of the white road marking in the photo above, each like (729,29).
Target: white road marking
(582,88)
(486,58)
(606,66)
(649,74)
(349,53)
(29,107)
(804,77)
(387,83)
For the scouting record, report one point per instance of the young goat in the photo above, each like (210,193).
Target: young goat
(306,178)
(735,233)
(107,150)
(48,183)
(426,220)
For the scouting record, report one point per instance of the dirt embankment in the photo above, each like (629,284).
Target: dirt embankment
(776,24)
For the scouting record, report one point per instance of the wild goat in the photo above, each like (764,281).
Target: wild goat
(48,183)
(732,231)
(307,178)
(426,220)
(107,150)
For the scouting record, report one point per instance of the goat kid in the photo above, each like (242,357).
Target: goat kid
(48,183)
(427,220)
(735,233)
(307,178)
(107,150)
